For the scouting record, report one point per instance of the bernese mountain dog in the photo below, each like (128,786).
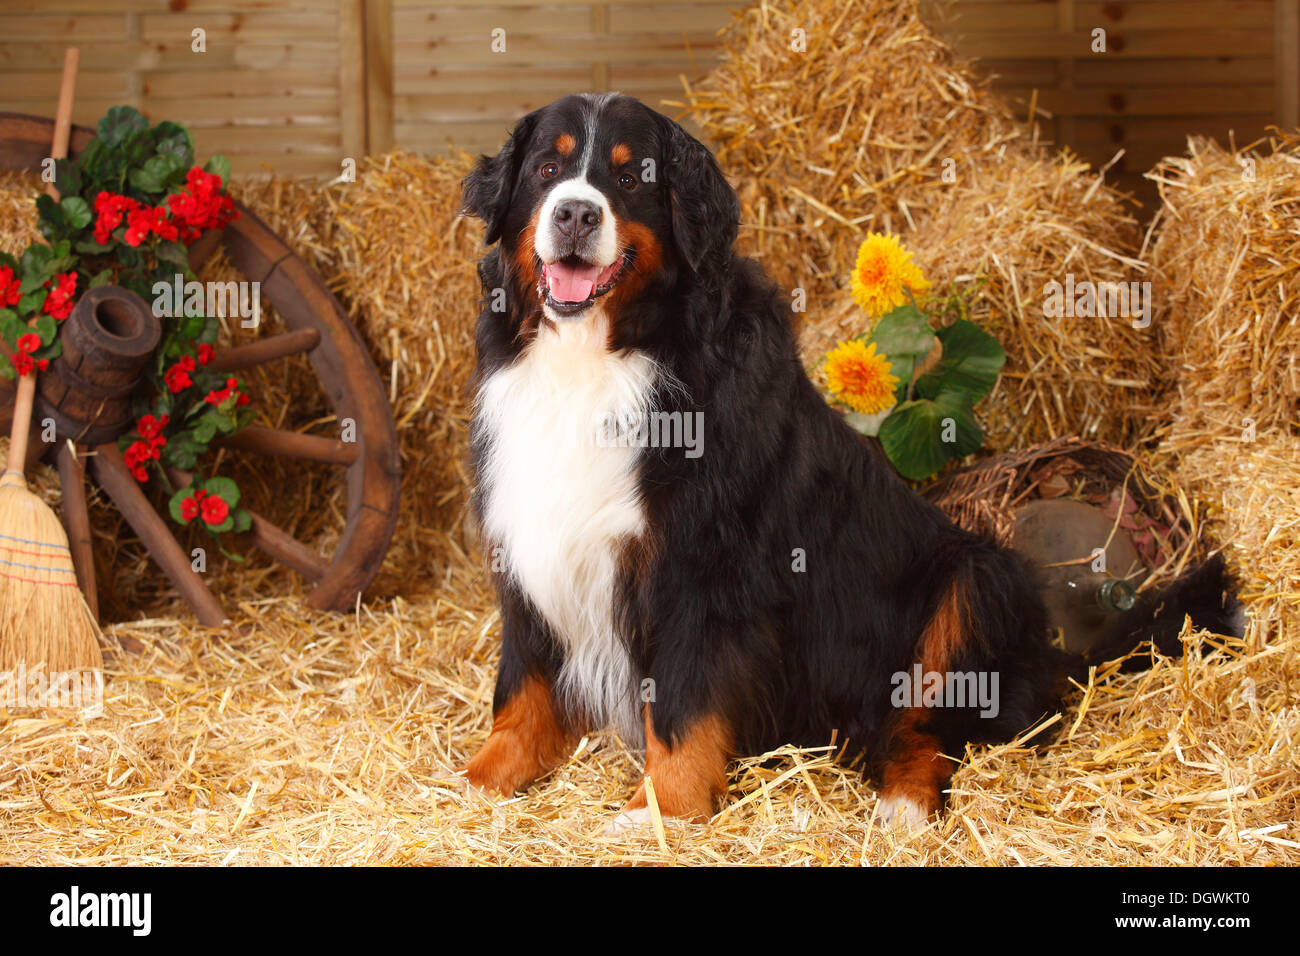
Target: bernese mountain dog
(689,545)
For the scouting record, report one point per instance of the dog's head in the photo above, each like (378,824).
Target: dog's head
(597,198)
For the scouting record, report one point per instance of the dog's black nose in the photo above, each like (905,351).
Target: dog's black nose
(576,218)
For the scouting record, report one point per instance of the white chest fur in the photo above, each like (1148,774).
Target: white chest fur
(559,504)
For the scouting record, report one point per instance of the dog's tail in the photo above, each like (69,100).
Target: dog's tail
(1206,594)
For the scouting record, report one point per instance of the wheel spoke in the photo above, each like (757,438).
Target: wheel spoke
(76,519)
(287,549)
(111,472)
(287,444)
(268,349)
(272,539)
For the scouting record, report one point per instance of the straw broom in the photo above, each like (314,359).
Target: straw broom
(44,618)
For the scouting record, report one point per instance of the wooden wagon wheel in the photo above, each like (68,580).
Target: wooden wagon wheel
(315,326)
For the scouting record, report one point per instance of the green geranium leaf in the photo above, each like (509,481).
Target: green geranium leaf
(226,422)
(173,139)
(145,181)
(11,328)
(138,149)
(76,212)
(103,277)
(35,256)
(210,329)
(175,253)
(90,161)
(217,529)
(32,301)
(91,247)
(67,177)
(220,165)
(182,452)
(120,124)
(190,327)
(205,430)
(242,521)
(970,363)
(31,284)
(47,328)
(223,488)
(174,505)
(921,436)
(49,216)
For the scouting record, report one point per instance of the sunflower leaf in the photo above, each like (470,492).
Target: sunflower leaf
(903,337)
(970,363)
(920,437)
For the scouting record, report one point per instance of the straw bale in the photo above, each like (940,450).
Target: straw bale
(1226,256)
(855,134)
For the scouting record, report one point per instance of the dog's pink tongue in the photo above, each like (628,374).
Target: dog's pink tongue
(571,283)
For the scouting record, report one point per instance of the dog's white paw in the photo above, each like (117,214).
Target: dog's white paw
(629,821)
(902,813)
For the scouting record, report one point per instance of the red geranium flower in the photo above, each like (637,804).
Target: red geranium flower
(22,362)
(177,377)
(10,286)
(149,219)
(109,209)
(150,427)
(216,397)
(200,205)
(135,457)
(29,342)
(206,353)
(189,508)
(214,510)
(60,300)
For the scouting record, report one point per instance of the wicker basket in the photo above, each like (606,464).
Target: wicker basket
(984,497)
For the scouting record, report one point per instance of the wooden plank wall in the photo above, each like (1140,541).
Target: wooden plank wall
(296,85)
(299,84)
(1171,67)
(277,84)
(452,85)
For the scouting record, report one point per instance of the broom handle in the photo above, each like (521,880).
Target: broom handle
(63,118)
(26,394)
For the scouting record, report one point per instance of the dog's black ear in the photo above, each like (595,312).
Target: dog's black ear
(490,187)
(705,209)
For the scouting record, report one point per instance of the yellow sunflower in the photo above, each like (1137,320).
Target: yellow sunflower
(883,270)
(861,378)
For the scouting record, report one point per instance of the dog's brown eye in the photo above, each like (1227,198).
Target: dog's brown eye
(627,181)
(549,170)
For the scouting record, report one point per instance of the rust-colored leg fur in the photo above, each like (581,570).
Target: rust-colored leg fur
(916,771)
(690,777)
(527,740)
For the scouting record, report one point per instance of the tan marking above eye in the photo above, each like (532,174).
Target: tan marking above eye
(565,144)
(620,154)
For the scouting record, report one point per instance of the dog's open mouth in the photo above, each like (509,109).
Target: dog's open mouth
(571,284)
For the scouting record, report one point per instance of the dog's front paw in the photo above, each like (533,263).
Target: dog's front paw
(903,813)
(489,773)
(629,821)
